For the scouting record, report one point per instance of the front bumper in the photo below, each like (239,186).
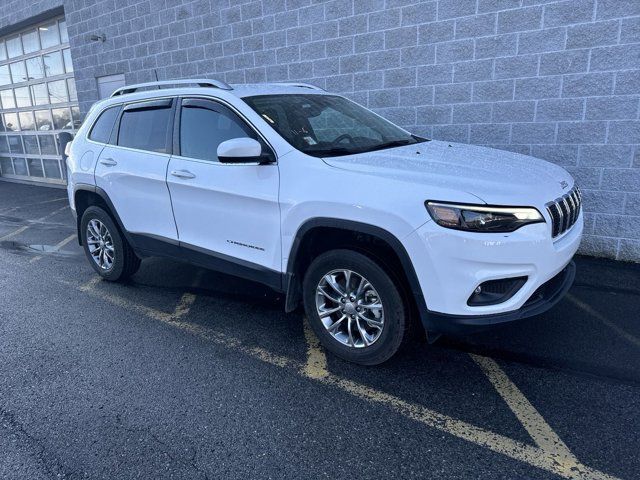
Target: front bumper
(450,265)
(544,298)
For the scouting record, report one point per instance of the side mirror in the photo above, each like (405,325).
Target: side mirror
(242,150)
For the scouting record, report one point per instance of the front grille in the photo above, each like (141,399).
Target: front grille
(564,211)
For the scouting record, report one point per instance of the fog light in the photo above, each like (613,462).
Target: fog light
(493,292)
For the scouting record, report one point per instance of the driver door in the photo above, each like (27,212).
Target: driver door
(227,215)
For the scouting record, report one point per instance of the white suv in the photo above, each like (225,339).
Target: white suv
(364,223)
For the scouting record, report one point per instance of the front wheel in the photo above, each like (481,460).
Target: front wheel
(354,307)
(106,248)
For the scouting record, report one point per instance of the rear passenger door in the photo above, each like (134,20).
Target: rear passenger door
(226,212)
(132,170)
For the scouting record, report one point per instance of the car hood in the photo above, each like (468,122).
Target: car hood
(496,177)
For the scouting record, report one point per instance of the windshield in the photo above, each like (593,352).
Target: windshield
(328,125)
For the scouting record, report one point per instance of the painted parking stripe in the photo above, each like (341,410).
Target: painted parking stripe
(4,211)
(14,233)
(61,244)
(43,202)
(41,219)
(537,427)
(184,306)
(56,247)
(587,308)
(535,456)
(27,205)
(316,365)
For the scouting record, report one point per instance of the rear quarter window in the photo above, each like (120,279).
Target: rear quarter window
(101,130)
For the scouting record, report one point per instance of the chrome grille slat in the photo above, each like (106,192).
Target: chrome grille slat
(566,214)
(561,215)
(564,211)
(554,222)
(573,208)
(578,196)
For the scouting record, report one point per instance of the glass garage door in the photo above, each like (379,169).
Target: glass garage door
(37,100)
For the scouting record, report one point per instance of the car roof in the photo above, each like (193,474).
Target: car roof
(214,88)
(251,89)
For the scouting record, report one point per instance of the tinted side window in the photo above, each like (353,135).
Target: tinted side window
(146,129)
(101,130)
(202,130)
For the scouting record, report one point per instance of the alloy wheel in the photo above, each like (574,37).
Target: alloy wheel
(100,244)
(350,308)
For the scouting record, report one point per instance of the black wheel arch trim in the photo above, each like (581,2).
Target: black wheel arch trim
(291,281)
(112,210)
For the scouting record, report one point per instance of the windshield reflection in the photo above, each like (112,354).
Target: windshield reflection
(328,125)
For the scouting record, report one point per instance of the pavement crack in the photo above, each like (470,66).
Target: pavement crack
(52,464)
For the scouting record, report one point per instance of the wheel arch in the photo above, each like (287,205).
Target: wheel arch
(334,233)
(86,196)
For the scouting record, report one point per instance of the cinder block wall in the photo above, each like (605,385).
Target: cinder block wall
(559,80)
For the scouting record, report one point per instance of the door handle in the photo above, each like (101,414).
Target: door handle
(109,162)
(182,174)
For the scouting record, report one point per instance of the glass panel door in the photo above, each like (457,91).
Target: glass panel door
(38,100)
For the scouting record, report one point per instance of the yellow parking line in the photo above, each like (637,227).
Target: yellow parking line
(532,455)
(182,309)
(316,366)
(184,306)
(61,244)
(173,319)
(87,286)
(539,430)
(587,308)
(496,442)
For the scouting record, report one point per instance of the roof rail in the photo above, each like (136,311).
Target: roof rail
(301,85)
(201,82)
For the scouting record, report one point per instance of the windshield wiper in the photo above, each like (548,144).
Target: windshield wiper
(330,152)
(391,144)
(337,151)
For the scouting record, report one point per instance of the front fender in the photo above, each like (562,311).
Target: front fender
(292,284)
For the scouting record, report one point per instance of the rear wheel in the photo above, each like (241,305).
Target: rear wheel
(108,251)
(354,307)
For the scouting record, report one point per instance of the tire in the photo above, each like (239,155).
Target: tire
(124,261)
(383,340)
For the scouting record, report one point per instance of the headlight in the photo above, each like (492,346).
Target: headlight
(477,218)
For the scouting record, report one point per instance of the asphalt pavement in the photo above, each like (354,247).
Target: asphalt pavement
(184,373)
